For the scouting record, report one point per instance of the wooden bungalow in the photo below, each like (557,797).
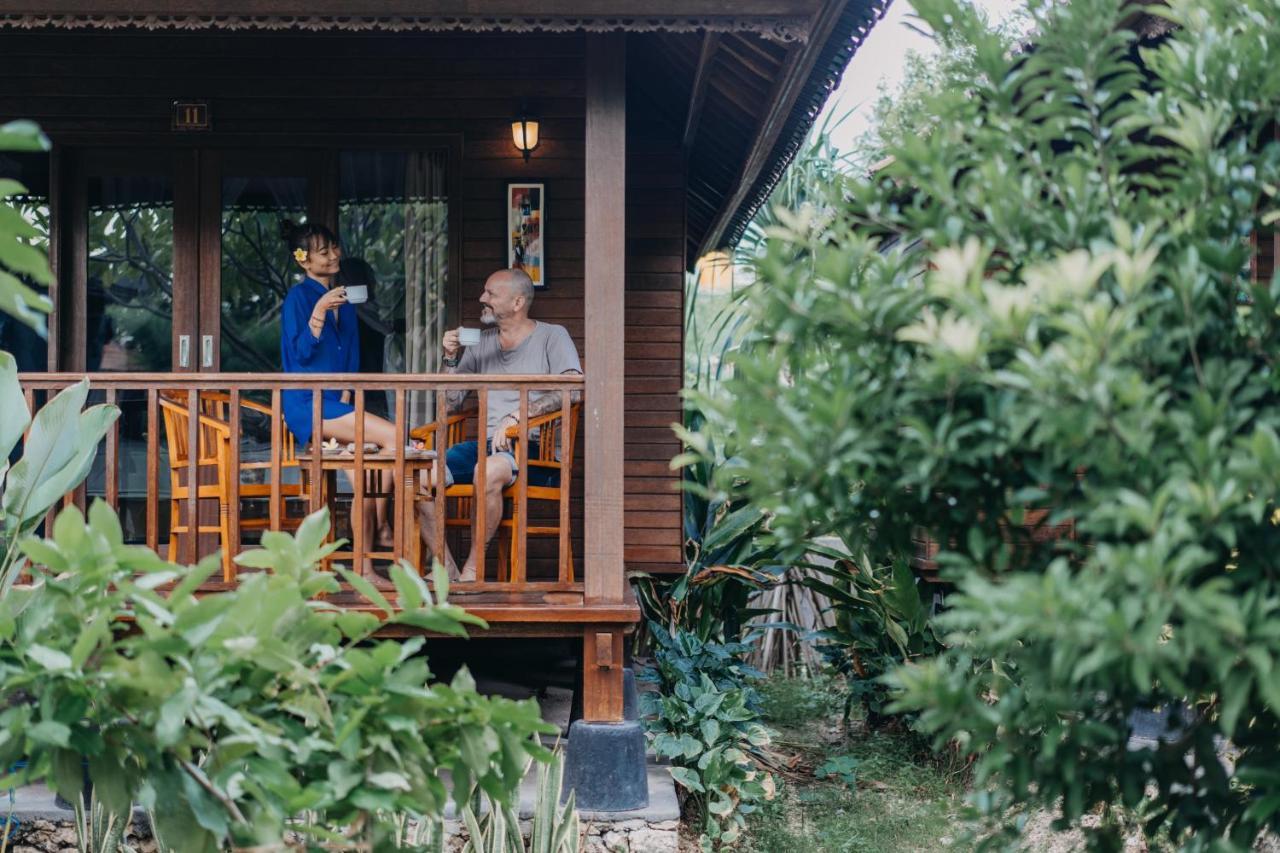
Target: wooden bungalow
(184,130)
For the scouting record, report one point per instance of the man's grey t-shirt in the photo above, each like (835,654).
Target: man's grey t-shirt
(547,351)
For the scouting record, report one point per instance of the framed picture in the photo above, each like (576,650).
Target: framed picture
(526,227)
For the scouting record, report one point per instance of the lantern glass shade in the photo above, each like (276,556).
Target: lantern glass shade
(524,133)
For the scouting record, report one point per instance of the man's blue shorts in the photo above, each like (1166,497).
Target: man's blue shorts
(462,460)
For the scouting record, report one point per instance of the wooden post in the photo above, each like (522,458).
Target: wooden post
(605,272)
(602,676)
(605,269)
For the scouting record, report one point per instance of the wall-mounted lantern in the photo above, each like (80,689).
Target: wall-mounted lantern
(524,133)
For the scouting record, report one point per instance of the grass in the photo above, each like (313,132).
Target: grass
(878,791)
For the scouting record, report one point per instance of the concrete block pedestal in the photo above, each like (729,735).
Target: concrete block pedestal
(605,766)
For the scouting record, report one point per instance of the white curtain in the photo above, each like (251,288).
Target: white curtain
(426,271)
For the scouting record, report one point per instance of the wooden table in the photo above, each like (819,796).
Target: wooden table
(415,462)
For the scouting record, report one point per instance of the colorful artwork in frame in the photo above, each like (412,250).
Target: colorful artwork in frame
(526,224)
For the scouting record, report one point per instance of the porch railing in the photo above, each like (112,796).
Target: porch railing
(204,404)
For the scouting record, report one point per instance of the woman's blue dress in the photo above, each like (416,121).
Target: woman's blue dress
(337,350)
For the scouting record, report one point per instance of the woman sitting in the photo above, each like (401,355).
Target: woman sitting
(319,335)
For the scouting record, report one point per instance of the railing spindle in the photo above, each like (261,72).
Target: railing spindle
(522,491)
(357,490)
(317,449)
(403,501)
(193,475)
(233,502)
(277,450)
(442,449)
(480,506)
(30,396)
(153,470)
(111,458)
(565,574)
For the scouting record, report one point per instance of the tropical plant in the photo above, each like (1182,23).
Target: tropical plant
(21,263)
(705,718)
(555,827)
(1046,303)
(877,622)
(97,829)
(57,453)
(234,715)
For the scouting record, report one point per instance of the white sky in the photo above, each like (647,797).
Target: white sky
(882,58)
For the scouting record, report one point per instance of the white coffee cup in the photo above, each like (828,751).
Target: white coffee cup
(468,337)
(357,293)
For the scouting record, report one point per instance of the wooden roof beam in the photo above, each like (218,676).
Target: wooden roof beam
(698,95)
(787,88)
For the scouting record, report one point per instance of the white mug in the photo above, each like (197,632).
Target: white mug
(357,293)
(468,337)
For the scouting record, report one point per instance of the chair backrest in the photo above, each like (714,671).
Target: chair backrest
(212,436)
(549,440)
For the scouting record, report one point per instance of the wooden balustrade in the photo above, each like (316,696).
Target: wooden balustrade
(209,410)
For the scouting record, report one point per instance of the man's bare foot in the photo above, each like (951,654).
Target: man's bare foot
(468,573)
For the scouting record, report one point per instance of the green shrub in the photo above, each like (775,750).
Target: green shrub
(237,715)
(705,719)
(1045,302)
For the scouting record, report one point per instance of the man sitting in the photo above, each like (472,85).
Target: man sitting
(514,344)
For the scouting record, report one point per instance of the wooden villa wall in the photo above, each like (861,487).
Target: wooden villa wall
(274,90)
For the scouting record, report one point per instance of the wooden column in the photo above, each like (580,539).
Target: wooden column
(605,272)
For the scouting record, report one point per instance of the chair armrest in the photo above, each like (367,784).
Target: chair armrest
(427,431)
(534,423)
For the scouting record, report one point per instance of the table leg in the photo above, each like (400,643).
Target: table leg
(328,492)
(412,538)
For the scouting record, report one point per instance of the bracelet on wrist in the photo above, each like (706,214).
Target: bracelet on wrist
(450,361)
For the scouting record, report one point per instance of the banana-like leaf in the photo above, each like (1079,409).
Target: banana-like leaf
(14,416)
(58,454)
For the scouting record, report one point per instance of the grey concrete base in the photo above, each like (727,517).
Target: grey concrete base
(605,766)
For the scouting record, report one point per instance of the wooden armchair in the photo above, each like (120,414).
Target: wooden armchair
(548,427)
(213,453)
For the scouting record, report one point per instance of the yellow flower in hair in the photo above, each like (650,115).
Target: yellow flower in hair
(299,255)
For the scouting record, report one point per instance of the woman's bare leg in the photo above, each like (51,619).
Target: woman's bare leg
(381,433)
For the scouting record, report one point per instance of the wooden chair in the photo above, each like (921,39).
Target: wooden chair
(213,452)
(548,427)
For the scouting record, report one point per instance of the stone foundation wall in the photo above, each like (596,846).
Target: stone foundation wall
(628,836)
(48,836)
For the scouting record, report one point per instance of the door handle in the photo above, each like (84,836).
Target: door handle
(206,351)
(184,350)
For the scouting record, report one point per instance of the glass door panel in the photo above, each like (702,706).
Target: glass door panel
(129,294)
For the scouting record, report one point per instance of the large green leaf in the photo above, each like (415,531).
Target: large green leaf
(59,450)
(14,416)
